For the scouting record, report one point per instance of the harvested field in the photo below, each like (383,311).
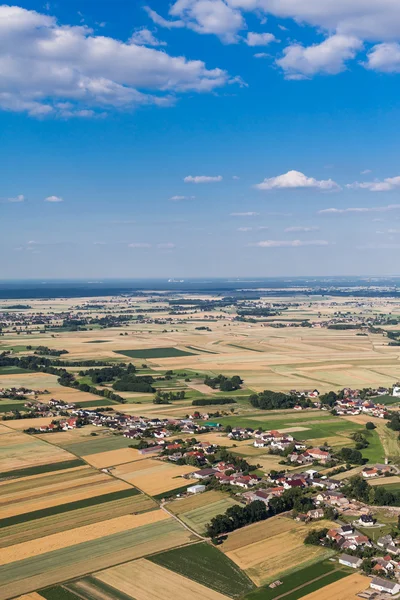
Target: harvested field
(21,424)
(345,589)
(19,450)
(32,596)
(113,457)
(78,535)
(90,588)
(280,549)
(153,476)
(31,472)
(133,579)
(31,482)
(48,569)
(386,481)
(182,505)
(45,526)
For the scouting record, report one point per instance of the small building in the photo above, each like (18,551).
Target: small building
(366,521)
(384,585)
(196,489)
(204,473)
(350,561)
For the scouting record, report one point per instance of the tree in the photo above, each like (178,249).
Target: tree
(369,425)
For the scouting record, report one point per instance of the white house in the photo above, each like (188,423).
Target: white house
(396,391)
(384,585)
(196,489)
(350,561)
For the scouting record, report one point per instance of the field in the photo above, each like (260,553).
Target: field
(134,580)
(268,549)
(86,557)
(153,476)
(206,565)
(345,589)
(18,450)
(154,353)
(198,510)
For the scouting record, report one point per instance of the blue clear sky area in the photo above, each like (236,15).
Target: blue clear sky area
(199,138)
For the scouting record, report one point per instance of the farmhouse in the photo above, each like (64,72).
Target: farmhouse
(321,455)
(204,473)
(383,585)
(350,561)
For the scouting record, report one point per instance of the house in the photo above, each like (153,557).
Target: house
(321,455)
(385,541)
(366,521)
(151,450)
(346,530)
(396,391)
(392,549)
(384,585)
(204,473)
(262,495)
(245,481)
(196,489)
(350,561)
(316,513)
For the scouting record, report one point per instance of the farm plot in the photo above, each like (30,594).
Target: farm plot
(155,353)
(264,550)
(134,579)
(206,565)
(95,445)
(345,589)
(153,476)
(47,569)
(199,510)
(19,450)
(90,588)
(56,541)
(71,518)
(114,457)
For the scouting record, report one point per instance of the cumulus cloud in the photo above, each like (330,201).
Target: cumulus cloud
(202,179)
(363,209)
(144,37)
(387,185)
(178,198)
(53,199)
(205,17)
(244,214)
(299,229)
(296,179)
(139,245)
(68,71)
(14,199)
(328,57)
(290,243)
(259,39)
(384,57)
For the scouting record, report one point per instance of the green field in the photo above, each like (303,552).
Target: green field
(99,589)
(13,371)
(94,445)
(9,406)
(198,518)
(48,468)
(57,592)
(171,493)
(99,402)
(64,508)
(375,452)
(154,353)
(206,565)
(387,400)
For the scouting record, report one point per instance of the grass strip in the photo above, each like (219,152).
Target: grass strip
(48,468)
(56,592)
(172,492)
(64,508)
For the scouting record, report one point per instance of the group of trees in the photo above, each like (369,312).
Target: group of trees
(168,397)
(378,495)
(46,351)
(394,421)
(225,384)
(269,400)
(211,401)
(350,455)
(132,383)
(109,373)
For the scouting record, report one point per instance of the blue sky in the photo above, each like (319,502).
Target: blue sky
(281,115)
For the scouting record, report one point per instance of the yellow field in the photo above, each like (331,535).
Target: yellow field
(384,480)
(347,588)
(19,450)
(183,505)
(113,457)
(153,476)
(24,481)
(144,580)
(266,553)
(32,596)
(78,535)
(21,424)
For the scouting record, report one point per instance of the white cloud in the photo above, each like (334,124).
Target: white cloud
(327,57)
(261,55)
(365,172)
(235,177)
(296,179)
(62,70)
(245,229)
(19,198)
(387,185)
(384,57)
(290,243)
(259,39)
(178,198)
(139,245)
(205,17)
(166,246)
(244,214)
(202,179)
(298,229)
(53,199)
(144,37)
(363,209)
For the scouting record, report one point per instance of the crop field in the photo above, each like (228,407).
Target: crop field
(32,529)
(95,445)
(113,457)
(265,550)
(134,580)
(18,451)
(150,353)
(47,569)
(198,514)
(90,588)
(347,588)
(35,381)
(77,535)
(206,565)
(153,476)
(18,505)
